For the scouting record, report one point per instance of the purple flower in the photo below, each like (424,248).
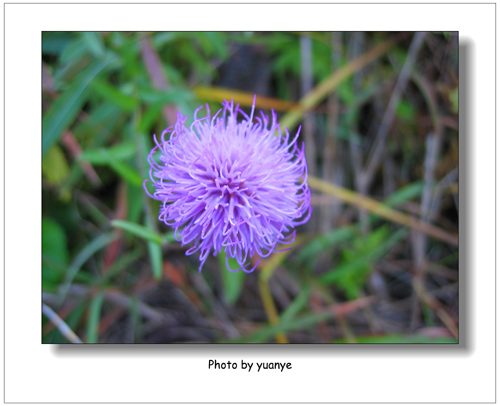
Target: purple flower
(238,186)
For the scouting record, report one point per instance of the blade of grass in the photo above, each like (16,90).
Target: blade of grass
(170,96)
(82,257)
(135,316)
(93,41)
(142,145)
(66,107)
(404,194)
(126,172)
(155,254)
(92,332)
(150,117)
(374,254)
(297,305)
(113,95)
(100,156)
(121,263)
(144,232)
(112,156)
(231,282)
(310,253)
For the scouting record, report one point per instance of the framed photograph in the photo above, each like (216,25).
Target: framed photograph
(236,203)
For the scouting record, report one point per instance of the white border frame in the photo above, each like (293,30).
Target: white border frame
(340,374)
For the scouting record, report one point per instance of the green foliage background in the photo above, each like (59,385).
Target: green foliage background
(113,273)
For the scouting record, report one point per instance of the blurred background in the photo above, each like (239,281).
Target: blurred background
(377,262)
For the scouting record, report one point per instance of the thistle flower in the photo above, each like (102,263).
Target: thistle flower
(224,184)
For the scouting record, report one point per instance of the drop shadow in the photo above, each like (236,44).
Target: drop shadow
(302,351)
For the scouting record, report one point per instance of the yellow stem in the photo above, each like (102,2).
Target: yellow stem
(380,209)
(266,272)
(323,89)
(272,313)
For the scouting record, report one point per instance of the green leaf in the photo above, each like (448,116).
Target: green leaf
(357,261)
(54,166)
(112,157)
(121,263)
(65,109)
(74,52)
(144,232)
(156,258)
(297,305)
(92,332)
(54,252)
(114,95)
(126,172)
(402,195)
(405,194)
(155,255)
(324,243)
(405,110)
(103,122)
(454,100)
(83,256)
(135,203)
(218,41)
(94,43)
(54,43)
(172,96)
(232,282)
(345,93)
(102,156)
(163,38)
(136,319)
(152,115)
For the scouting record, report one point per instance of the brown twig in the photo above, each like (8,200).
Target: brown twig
(354,149)
(308,127)
(440,310)
(381,137)
(332,162)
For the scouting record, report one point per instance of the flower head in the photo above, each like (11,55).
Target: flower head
(238,186)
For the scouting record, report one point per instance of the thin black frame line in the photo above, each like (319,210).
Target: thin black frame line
(424,345)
